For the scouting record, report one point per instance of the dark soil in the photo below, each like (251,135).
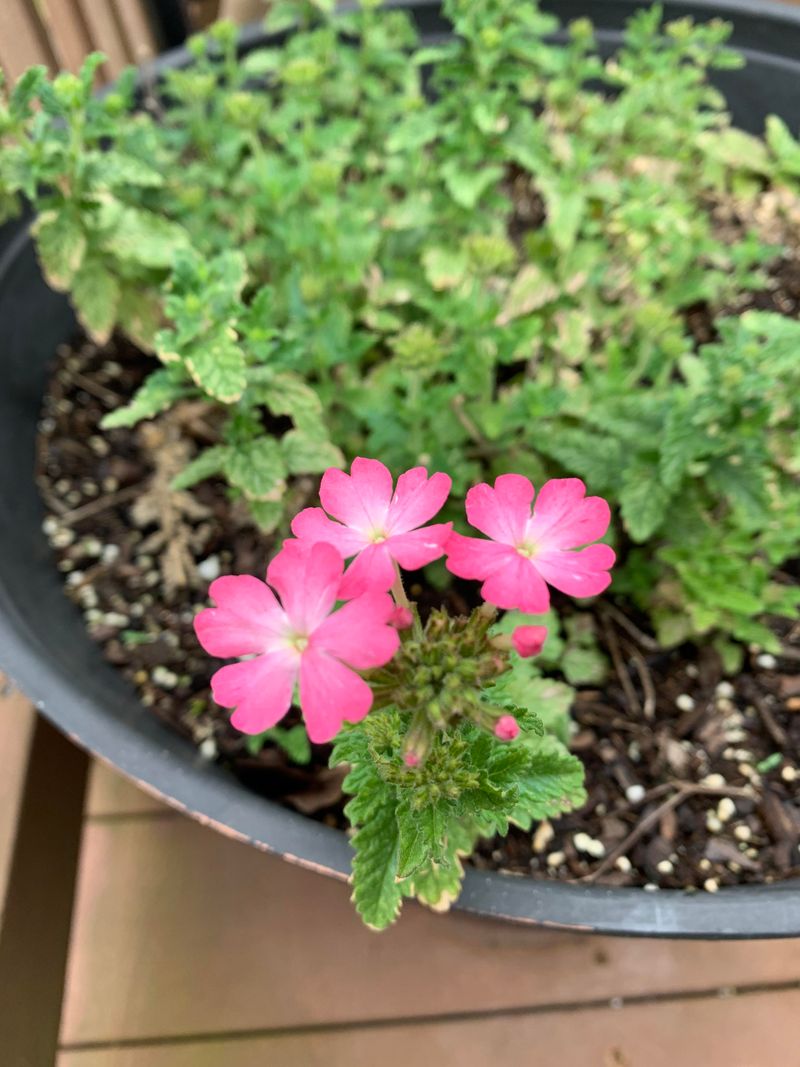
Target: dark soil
(693,781)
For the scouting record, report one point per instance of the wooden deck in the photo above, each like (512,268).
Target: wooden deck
(191,950)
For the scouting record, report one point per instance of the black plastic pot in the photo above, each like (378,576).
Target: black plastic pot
(45,649)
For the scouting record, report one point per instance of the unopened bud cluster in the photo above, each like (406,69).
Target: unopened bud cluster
(439,675)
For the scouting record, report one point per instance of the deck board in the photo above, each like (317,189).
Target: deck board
(17,720)
(217,937)
(757,1030)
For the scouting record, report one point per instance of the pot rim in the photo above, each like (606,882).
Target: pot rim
(160,761)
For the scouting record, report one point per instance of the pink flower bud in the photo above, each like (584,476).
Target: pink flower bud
(401,618)
(529,640)
(411,759)
(506,728)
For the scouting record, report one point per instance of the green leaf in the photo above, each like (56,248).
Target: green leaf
(643,503)
(210,462)
(552,784)
(143,237)
(422,835)
(293,741)
(467,186)
(376,892)
(96,295)
(257,468)
(61,244)
(444,268)
(738,149)
(566,208)
(285,393)
(159,391)
(307,453)
(267,514)
(681,443)
(115,168)
(784,146)
(529,291)
(584,666)
(140,315)
(217,364)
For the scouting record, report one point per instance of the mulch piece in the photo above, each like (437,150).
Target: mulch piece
(692,780)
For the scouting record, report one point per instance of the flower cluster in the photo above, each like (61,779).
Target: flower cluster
(327,623)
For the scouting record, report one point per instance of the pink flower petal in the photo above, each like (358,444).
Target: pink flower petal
(471,557)
(529,640)
(517,584)
(330,694)
(371,571)
(307,577)
(359,633)
(502,512)
(417,499)
(418,547)
(313,525)
(360,499)
(260,689)
(247,617)
(583,573)
(565,518)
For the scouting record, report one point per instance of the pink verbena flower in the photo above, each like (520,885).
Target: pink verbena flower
(300,638)
(377,526)
(528,551)
(529,640)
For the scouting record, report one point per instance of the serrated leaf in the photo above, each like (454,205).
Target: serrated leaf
(467,186)
(784,146)
(293,741)
(307,453)
(206,465)
(735,148)
(267,514)
(422,835)
(115,168)
(376,892)
(529,291)
(257,468)
(444,268)
(143,237)
(680,444)
(140,315)
(285,393)
(643,503)
(95,295)
(160,390)
(217,364)
(584,666)
(61,245)
(552,784)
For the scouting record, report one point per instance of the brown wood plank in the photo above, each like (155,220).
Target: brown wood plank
(756,1030)
(66,31)
(267,945)
(100,18)
(111,795)
(17,719)
(38,900)
(137,32)
(242,11)
(22,42)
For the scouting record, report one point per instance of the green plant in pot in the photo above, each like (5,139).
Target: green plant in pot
(501,255)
